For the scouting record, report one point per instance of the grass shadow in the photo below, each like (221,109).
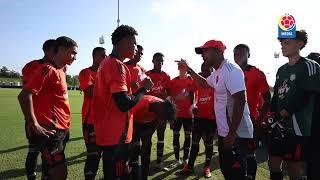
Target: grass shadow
(19,172)
(13,149)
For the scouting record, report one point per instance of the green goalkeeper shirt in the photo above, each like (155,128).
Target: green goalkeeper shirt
(295,90)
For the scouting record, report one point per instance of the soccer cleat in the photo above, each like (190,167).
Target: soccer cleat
(185,171)
(206,172)
(185,162)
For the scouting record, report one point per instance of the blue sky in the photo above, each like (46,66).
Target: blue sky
(173,27)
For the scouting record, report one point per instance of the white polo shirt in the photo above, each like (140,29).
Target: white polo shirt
(227,80)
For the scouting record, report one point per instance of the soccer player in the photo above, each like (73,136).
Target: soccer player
(161,80)
(234,125)
(204,126)
(45,105)
(315,129)
(112,103)
(27,71)
(87,79)
(147,115)
(182,91)
(293,103)
(137,72)
(314,56)
(257,90)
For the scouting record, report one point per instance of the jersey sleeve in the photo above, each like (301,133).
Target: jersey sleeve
(116,74)
(263,84)
(235,81)
(311,77)
(84,79)
(39,79)
(210,80)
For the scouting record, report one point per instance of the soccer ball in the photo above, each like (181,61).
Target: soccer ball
(287,21)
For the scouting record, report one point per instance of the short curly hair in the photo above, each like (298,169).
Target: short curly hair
(122,32)
(301,36)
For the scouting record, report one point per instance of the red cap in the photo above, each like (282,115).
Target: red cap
(211,44)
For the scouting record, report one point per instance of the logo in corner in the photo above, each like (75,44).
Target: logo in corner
(287,27)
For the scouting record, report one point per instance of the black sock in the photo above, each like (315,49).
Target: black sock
(160,146)
(193,154)
(31,164)
(91,165)
(186,147)
(209,153)
(252,167)
(176,145)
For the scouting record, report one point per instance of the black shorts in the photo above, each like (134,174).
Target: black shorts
(144,129)
(204,126)
(52,148)
(88,134)
(187,124)
(294,148)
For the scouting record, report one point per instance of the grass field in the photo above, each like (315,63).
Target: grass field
(13,143)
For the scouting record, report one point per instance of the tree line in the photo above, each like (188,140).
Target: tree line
(7,73)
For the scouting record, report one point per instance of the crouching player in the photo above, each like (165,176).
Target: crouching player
(147,114)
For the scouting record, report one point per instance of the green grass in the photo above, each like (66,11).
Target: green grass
(13,143)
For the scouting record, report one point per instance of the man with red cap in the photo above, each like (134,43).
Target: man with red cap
(234,125)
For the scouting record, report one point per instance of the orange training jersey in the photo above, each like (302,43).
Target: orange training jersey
(205,102)
(86,79)
(50,99)
(160,81)
(29,68)
(182,86)
(256,85)
(135,72)
(109,122)
(141,113)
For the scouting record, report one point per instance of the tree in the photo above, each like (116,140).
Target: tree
(69,79)
(4,69)
(75,80)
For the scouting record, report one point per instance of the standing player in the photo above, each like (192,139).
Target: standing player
(293,104)
(148,114)
(160,79)
(45,105)
(257,89)
(182,91)
(137,72)
(204,126)
(234,125)
(27,71)
(112,103)
(315,129)
(87,78)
